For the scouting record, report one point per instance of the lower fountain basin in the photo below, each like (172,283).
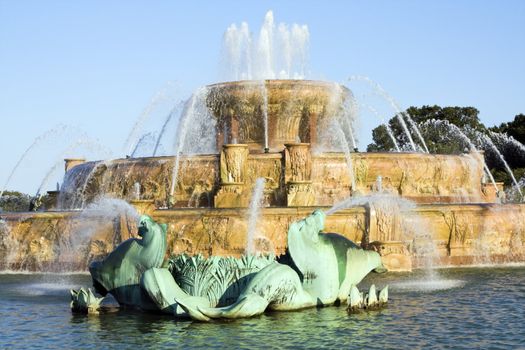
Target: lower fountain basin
(463,234)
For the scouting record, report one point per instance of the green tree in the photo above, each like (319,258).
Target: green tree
(14,201)
(510,139)
(438,137)
(515,128)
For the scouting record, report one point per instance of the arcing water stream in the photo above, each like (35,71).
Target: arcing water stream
(507,140)
(85,141)
(385,123)
(145,143)
(174,113)
(134,136)
(457,132)
(340,138)
(487,141)
(398,112)
(55,132)
(195,133)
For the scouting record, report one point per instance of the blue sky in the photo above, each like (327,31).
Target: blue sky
(95,65)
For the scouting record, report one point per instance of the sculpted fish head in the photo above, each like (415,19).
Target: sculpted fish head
(319,217)
(148,228)
(374,261)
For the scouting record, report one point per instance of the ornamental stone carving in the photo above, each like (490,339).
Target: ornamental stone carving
(233,163)
(298,162)
(298,175)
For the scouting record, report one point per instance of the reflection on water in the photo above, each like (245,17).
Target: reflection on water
(424,285)
(44,288)
(468,308)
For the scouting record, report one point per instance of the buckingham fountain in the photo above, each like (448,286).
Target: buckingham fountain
(390,201)
(256,207)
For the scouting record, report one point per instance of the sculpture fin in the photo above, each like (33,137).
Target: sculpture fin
(193,312)
(246,306)
(372,296)
(162,289)
(383,295)
(355,300)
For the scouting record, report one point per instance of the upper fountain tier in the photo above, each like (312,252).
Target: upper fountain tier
(297,111)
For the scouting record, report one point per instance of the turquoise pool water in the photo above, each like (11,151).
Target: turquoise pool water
(466,308)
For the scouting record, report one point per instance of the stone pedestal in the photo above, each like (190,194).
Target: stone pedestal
(298,162)
(286,130)
(233,163)
(298,175)
(313,122)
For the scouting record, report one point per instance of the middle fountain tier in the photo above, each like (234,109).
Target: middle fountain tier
(294,121)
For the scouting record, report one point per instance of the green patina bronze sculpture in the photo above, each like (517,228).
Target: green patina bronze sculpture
(328,265)
(320,269)
(84,301)
(121,272)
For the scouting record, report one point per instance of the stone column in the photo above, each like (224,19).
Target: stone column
(233,125)
(221,134)
(298,175)
(233,163)
(313,116)
(312,125)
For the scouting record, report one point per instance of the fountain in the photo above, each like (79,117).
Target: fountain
(320,270)
(262,201)
(203,192)
(290,141)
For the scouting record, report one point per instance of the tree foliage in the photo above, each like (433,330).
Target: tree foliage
(435,137)
(14,201)
(515,128)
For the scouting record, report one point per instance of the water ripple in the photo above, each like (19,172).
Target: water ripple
(469,308)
